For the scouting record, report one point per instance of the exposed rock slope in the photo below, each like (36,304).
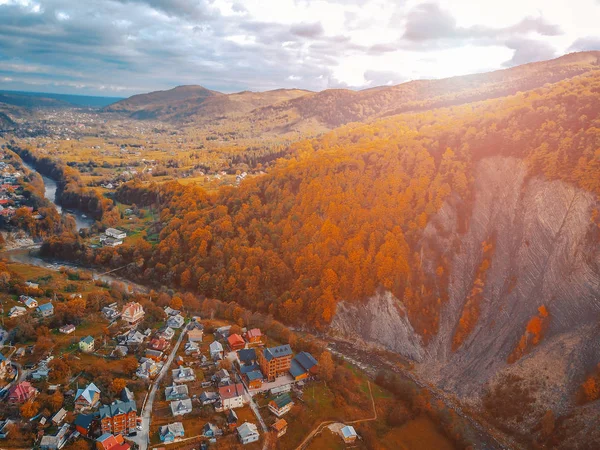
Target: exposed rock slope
(546,253)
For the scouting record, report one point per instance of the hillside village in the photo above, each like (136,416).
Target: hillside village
(95,378)
(11,192)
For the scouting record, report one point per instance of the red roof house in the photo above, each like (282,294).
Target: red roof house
(254,336)
(22,392)
(160,344)
(236,342)
(110,442)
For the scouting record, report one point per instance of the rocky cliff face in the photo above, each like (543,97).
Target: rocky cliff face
(546,253)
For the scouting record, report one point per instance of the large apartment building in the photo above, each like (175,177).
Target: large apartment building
(118,417)
(275,361)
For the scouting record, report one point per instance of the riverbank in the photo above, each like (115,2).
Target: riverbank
(70,192)
(50,189)
(28,255)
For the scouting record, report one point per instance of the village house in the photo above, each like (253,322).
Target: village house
(110,242)
(171,432)
(83,423)
(176,392)
(176,321)
(247,433)
(254,337)
(58,418)
(247,368)
(232,396)
(31,303)
(119,417)
(275,361)
(348,434)
(110,312)
(166,332)
(195,335)
(181,407)
(132,313)
(147,369)
(209,398)
(87,398)
(41,372)
(195,324)
(210,430)
(247,356)
(154,355)
(216,350)
(56,442)
(191,348)
(46,310)
(67,329)
(279,427)
(17,311)
(254,378)
(31,285)
(86,344)
(108,441)
(119,352)
(221,377)
(231,419)
(134,337)
(281,404)
(222,332)
(116,234)
(160,344)
(170,311)
(303,365)
(236,342)
(21,392)
(127,395)
(183,374)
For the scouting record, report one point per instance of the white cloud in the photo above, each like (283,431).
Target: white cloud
(234,45)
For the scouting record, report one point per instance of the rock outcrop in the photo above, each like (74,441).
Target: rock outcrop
(546,253)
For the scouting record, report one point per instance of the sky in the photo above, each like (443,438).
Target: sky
(124,47)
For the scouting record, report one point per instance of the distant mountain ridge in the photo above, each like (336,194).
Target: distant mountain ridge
(285,110)
(182,102)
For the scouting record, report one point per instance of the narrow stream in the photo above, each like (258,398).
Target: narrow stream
(50,186)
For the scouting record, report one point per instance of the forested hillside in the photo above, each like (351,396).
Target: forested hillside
(344,217)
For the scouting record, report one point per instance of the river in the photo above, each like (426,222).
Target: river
(50,187)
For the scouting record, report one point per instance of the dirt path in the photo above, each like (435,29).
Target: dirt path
(320,427)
